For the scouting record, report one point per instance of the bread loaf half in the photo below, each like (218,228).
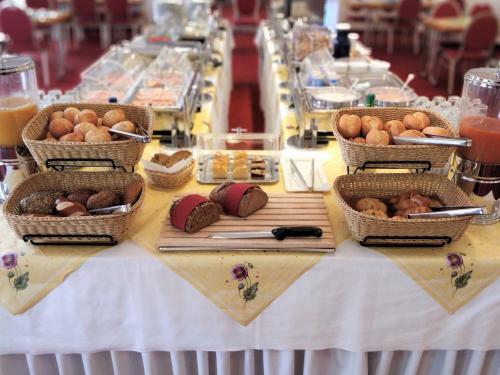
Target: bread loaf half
(194,212)
(239,199)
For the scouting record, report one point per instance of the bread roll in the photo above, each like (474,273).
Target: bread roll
(349,126)
(81,195)
(132,192)
(378,137)
(417,121)
(84,127)
(87,115)
(69,209)
(376,213)
(412,134)
(239,199)
(436,130)
(125,126)
(70,113)
(369,123)
(72,137)
(359,140)
(102,199)
(40,202)
(113,117)
(57,114)
(98,135)
(59,127)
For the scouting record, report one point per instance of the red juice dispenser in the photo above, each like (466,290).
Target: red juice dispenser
(476,169)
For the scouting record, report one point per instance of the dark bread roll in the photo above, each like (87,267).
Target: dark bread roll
(239,199)
(194,212)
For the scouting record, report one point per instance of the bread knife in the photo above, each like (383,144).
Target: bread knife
(279,233)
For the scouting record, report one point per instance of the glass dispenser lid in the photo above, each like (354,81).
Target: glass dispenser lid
(15,64)
(484,77)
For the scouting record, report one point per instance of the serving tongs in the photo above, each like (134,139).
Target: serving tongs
(433,140)
(450,211)
(144,137)
(112,210)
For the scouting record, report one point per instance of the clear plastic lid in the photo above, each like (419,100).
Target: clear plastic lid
(309,38)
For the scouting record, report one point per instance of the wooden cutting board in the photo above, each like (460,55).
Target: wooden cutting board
(281,210)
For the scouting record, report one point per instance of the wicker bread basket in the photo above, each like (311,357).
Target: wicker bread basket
(114,225)
(170,181)
(350,188)
(356,154)
(122,153)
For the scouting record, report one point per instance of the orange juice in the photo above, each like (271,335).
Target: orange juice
(15,112)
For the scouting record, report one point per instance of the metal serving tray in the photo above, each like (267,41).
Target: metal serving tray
(204,175)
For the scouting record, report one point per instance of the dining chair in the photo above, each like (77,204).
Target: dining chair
(450,8)
(16,23)
(480,8)
(119,17)
(37,4)
(405,21)
(85,15)
(477,44)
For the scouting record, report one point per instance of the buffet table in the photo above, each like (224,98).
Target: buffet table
(129,309)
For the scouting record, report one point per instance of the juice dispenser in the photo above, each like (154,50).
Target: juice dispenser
(18,104)
(476,169)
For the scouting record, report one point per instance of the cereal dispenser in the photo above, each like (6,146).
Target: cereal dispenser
(18,104)
(476,169)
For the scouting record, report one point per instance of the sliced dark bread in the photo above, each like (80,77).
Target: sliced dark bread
(252,199)
(201,214)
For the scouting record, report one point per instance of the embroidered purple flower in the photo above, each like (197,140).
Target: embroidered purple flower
(239,272)
(9,260)
(454,260)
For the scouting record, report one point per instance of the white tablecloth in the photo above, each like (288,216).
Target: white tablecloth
(353,302)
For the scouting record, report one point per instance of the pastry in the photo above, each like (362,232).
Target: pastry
(194,212)
(258,173)
(40,202)
(239,163)
(219,170)
(239,199)
(240,155)
(260,165)
(412,133)
(240,172)
(364,204)
(170,160)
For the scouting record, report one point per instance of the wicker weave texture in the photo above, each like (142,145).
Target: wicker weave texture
(115,225)
(350,188)
(169,181)
(355,154)
(123,153)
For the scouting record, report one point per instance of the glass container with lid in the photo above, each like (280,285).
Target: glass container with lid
(480,115)
(476,169)
(18,98)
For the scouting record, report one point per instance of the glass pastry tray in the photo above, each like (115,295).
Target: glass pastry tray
(205,171)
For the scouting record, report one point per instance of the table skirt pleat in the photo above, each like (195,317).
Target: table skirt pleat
(250,362)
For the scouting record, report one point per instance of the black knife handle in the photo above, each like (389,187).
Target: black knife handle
(284,232)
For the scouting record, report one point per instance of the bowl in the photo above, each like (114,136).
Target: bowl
(358,67)
(387,96)
(379,66)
